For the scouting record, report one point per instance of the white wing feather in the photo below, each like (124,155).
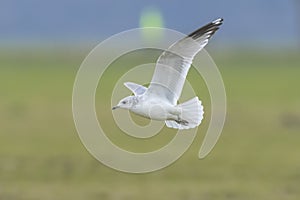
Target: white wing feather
(173,65)
(135,88)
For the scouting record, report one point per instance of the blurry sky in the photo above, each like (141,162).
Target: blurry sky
(255,21)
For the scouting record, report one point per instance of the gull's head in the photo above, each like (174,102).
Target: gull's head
(125,103)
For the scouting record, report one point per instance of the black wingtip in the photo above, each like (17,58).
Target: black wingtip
(218,21)
(208,30)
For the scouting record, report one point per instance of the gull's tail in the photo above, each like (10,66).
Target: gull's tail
(191,115)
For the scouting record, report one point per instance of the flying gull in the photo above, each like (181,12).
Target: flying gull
(159,100)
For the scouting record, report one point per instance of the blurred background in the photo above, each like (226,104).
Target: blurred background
(257,51)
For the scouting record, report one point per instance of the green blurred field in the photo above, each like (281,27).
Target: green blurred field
(257,156)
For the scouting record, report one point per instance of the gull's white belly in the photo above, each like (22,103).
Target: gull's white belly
(156,110)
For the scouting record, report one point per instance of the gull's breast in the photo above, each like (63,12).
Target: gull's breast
(154,110)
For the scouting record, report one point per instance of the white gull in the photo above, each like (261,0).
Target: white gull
(159,100)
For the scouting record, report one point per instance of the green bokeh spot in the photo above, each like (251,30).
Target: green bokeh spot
(150,18)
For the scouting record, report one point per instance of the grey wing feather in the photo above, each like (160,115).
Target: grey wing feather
(173,65)
(135,88)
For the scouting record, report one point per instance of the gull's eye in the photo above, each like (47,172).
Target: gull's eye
(123,102)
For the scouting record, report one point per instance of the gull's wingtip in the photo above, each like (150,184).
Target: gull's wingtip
(208,30)
(126,84)
(218,21)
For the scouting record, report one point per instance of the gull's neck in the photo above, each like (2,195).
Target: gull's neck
(135,100)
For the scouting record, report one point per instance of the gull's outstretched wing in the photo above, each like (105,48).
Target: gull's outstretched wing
(173,65)
(135,88)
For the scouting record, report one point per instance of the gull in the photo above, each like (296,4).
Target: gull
(159,100)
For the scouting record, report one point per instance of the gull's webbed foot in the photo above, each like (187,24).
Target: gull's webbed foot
(182,122)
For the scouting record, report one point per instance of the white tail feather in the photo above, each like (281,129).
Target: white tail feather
(191,112)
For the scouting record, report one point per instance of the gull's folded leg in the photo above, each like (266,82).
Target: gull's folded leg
(182,122)
(190,116)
